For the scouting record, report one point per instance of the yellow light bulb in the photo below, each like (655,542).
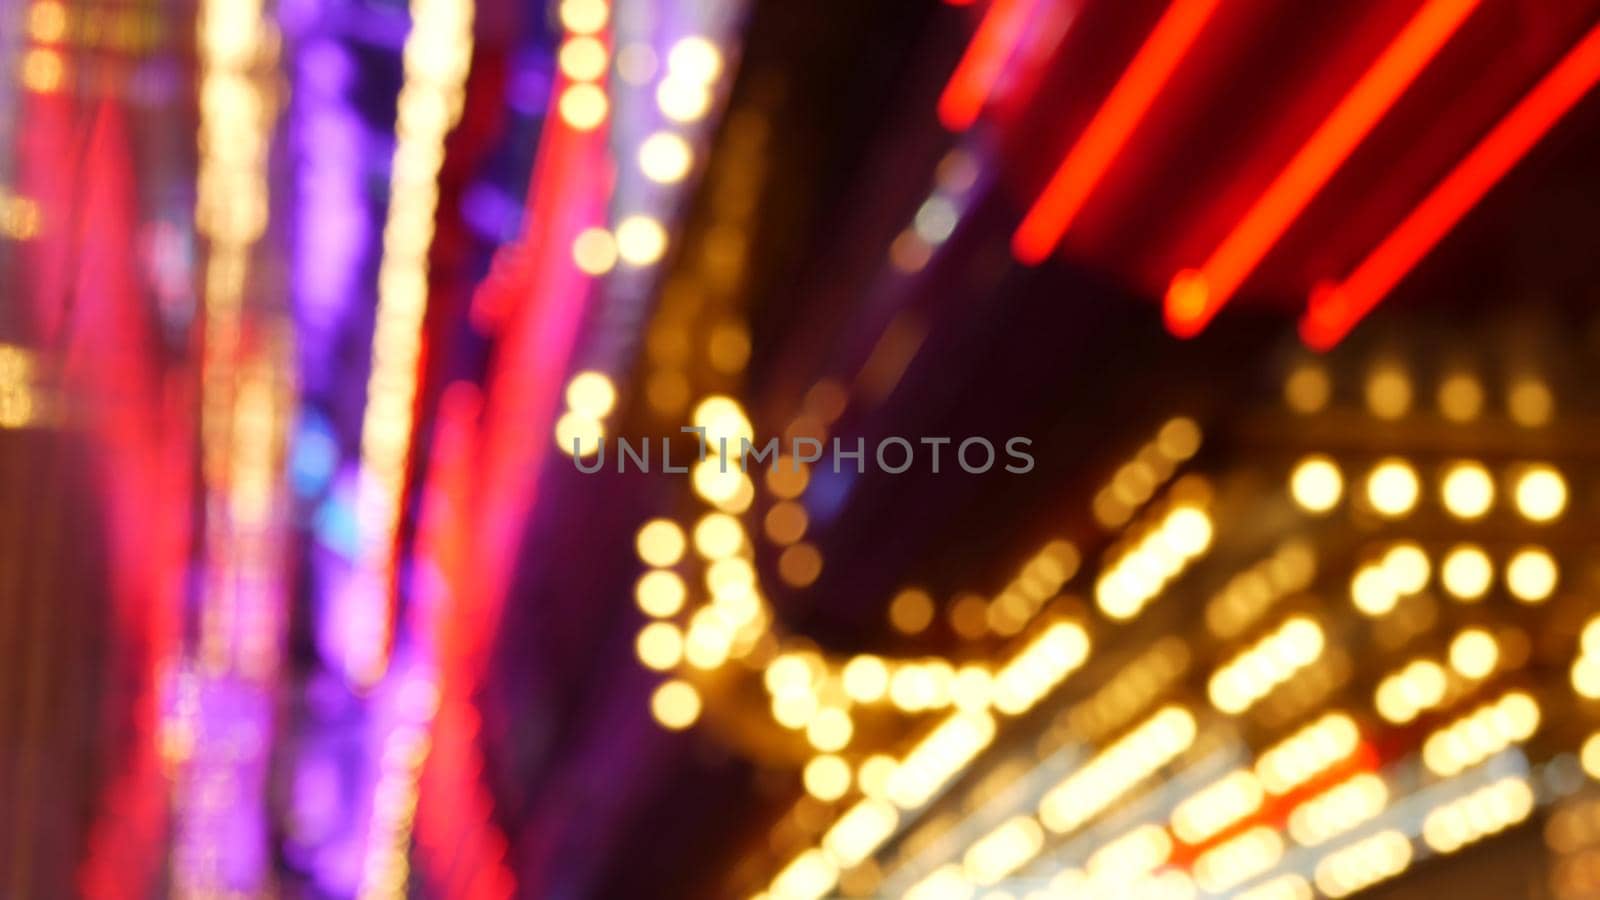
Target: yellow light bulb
(1316,484)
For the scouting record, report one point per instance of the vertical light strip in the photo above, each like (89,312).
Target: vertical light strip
(1080,172)
(1335,309)
(1195,296)
(438,56)
(438,52)
(221,719)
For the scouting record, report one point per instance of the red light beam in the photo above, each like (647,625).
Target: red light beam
(980,67)
(1047,221)
(1195,296)
(1335,309)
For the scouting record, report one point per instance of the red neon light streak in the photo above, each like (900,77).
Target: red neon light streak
(1041,230)
(1194,297)
(980,67)
(1335,309)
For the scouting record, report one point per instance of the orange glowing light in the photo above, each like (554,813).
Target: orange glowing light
(1041,230)
(1195,296)
(1335,309)
(980,67)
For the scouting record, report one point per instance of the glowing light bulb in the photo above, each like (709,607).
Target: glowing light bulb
(641,240)
(1541,494)
(1467,491)
(665,157)
(1392,488)
(1316,484)
(1466,572)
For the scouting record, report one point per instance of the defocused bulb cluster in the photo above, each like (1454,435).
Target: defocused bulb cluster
(1480,734)
(1161,554)
(1338,810)
(590,398)
(1482,813)
(1118,769)
(1271,661)
(1364,863)
(693,65)
(1215,807)
(1307,753)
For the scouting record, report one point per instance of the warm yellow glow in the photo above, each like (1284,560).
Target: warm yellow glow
(1586,676)
(1038,667)
(866,679)
(809,876)
(1466,572)
(1541,494)
(718,536)
(1388,392)
(911,611)
(1530,403)
(1460,397)
(1307,389)
(578,434)
(682,100)
(826,777)
(1216,806)
(873,775)
(1480,734)
(1486,811)
(1474,653)
(1589,755)
(709,640)
(584,16)
(1392,488)
(830,729)
(665,157)
(1467,490)
(1118,769)
(1373,592)
(1338,809)
(660,593)
(592,394)
(694,58)
(1307,753)
(594,251)
(1130,855)
(1531,575)
(1419,686)
(1271,661)
(582,59)
(660,645)
(1316,484)
(724,422)
(939,756)
(1406,567)
(675,704)
(860,831)
(1003,850)
(1364,863)
(1178,439)
(1283,887)
(1238,859)
(944,883)
(1137,577)
(42,70)
(660,542)
(800,565)
(641,240)
(786,522)
(583,106)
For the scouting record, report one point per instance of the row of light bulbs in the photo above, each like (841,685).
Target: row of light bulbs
(1466,489)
